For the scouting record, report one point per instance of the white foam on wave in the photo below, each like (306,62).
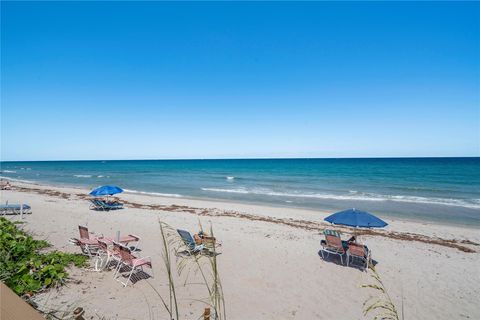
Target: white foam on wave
(100,176)
(243,191)
(9,171)
(174,195)
(82,175)
(18,180)
(473,204)
(284,194)
(230,178)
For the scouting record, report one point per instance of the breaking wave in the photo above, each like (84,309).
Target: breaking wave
(355,196)
(174,195)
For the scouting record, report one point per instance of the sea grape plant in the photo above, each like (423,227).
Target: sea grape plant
(26,266)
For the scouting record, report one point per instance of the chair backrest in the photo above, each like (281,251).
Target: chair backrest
(332,233)
(83,232)
(125,253)
(102,244)
(334,241)
(116,247)
(357,250)
(101,203)
(187,238)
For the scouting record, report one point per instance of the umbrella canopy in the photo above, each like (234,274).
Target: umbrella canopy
(356,218)
(106,191)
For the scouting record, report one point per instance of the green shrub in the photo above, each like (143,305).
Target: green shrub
(23,265)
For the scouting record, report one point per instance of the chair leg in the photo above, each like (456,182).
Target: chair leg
(98,264)
(89,251)
(129,276)
(117,269)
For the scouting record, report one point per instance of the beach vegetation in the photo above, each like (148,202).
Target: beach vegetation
(379,305)
(26,266)
(203,265)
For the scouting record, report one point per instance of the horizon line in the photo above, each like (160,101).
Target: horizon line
(253,158)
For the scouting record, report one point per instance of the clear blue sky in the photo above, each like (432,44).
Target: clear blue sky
(212,80)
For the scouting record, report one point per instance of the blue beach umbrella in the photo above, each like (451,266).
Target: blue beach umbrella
(356,218)
(106,191)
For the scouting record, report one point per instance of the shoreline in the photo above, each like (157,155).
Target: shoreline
(303,218)
(181,198)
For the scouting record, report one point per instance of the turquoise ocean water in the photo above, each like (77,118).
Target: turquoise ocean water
(430,189)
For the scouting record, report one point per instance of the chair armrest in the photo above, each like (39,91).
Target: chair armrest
(137,238)
(146,259)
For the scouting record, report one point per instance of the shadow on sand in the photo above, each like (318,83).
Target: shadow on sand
(334,258)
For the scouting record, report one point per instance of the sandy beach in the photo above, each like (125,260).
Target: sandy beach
(269,264)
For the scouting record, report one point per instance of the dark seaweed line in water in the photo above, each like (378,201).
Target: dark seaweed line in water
(462,245)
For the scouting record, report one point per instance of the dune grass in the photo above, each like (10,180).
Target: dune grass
(379,305)
(203,265)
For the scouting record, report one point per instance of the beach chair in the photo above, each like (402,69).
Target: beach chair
(98,204)
(90,245)
(95,205)
(208,241)
(189,241)
(332,244)
(107,253)
(358,252)
(127,259)
(14,209)
(110,206)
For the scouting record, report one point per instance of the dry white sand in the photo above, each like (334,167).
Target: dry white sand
(268,270)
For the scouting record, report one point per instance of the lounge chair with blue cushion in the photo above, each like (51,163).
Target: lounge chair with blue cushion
(95,205)
(98,204)
(111,205)
(191,245)
(14,209)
